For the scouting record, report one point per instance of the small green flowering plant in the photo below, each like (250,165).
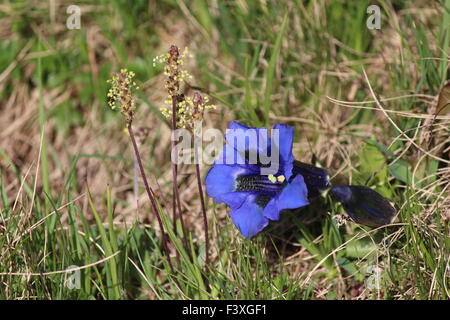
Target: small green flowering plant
(185,112)
(121,96)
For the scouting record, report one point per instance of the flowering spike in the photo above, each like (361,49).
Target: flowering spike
(120,95)
(187,110)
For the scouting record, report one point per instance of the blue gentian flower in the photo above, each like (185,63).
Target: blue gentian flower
(254,195)
(364,205)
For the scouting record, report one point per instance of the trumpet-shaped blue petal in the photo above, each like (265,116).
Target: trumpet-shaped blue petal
(293,195)
(284,145)
(221,185)
(249,144)
(249,218)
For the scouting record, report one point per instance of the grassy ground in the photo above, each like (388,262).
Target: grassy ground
(67,169)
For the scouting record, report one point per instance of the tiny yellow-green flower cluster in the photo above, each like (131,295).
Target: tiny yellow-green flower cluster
(120,95)
(189,110)
(173,61)
(162,59)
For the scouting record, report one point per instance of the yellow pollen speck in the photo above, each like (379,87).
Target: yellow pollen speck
(281,178)
(272,178)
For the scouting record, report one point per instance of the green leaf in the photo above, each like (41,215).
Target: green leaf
(373,163)
(400,170)
(361,248)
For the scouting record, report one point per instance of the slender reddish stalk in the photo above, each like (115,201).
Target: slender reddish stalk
(176,195)
(150,193)
(174,213)
(202,201)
